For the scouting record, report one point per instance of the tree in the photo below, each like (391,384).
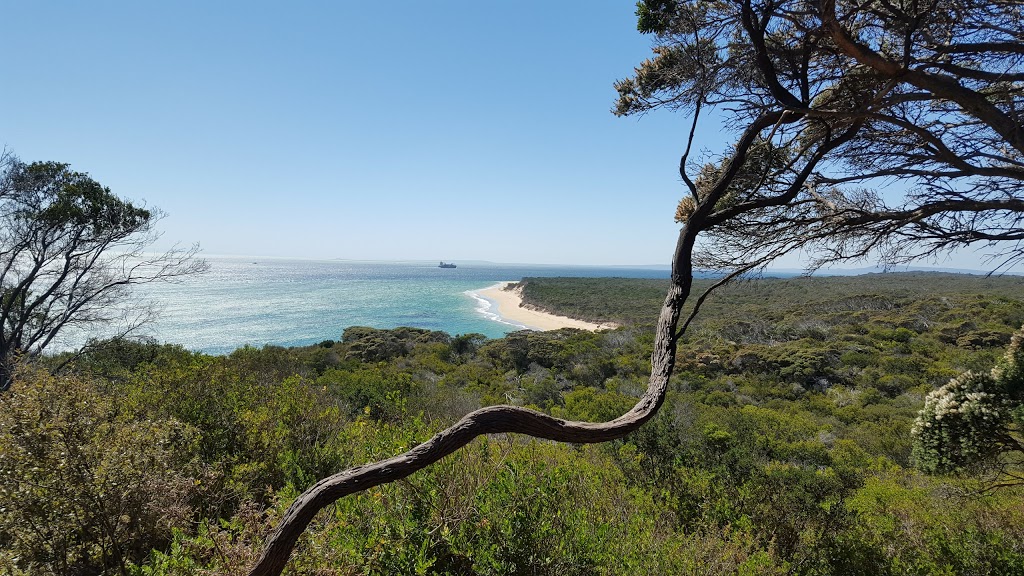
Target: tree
(888,130)
(976,422)
(70,251)
(836,105)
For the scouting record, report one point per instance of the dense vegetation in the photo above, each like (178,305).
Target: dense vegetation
(784,446)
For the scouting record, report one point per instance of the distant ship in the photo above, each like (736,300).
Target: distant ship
(444,264)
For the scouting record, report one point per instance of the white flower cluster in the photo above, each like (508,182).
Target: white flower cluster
(964,397)
(960,421)
(1012,366)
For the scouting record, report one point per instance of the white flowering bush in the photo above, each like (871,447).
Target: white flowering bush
(974,419)
(1010,371)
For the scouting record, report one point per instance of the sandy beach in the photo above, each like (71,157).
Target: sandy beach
(509,307)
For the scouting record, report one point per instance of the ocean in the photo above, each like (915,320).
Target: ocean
(258,301)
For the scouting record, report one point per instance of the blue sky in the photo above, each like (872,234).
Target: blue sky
(402,130)
(450,130)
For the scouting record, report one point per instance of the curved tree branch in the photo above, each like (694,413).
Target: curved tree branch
(838,98)
(513,419)
(491,420)
(497,420)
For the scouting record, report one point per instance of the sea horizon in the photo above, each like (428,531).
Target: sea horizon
(246,300)
(260,300)
(770,272)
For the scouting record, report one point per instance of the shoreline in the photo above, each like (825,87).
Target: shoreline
(508,308)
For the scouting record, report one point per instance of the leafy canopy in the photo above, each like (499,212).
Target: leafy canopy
(900,125)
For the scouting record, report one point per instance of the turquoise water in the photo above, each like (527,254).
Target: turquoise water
(301,302)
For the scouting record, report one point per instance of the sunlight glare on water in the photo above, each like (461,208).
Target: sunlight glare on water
(261,301)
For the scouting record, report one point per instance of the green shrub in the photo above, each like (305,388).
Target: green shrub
(907,524)
(86,488)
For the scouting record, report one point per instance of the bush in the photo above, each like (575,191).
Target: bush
(86,489)
(908,524)
(974,420)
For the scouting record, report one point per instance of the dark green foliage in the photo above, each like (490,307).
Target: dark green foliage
(117,358)
(373,345)
(467,343)
(621,300)
(62,198)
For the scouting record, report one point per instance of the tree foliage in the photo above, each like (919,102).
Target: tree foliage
(866,130)
(70,250)
(890,130)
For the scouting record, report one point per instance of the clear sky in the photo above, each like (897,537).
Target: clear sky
(404,130)
(447,130)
